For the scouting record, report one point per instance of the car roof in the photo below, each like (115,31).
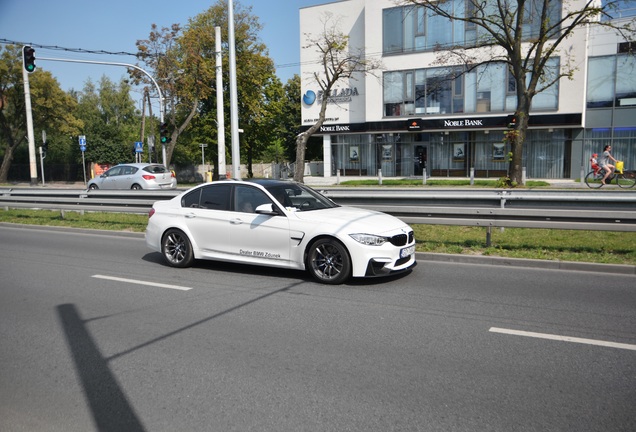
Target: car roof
(138,165)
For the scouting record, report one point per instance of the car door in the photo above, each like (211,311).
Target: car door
(110,178)
(125,178)
(206,212)
(257,237)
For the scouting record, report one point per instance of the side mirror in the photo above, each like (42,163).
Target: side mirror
(267,209)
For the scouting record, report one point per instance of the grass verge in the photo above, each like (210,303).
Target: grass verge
(564,245)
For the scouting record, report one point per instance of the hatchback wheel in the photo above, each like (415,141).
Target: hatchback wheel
(328,261)
(177,249)
(136,187)
(93,187)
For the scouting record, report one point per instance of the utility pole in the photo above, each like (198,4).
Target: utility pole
(236,155)
(33,168)
(220,118)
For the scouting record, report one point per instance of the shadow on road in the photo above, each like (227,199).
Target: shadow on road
(110,408)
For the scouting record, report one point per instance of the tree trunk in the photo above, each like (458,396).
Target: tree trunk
(301,147)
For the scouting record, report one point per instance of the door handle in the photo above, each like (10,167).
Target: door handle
(190,215)
(236,221)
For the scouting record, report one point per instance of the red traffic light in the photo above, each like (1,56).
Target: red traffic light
(28,58)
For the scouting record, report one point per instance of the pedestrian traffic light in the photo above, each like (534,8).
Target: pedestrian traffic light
(45,148)
(512,121)
(163,133)
(28,57)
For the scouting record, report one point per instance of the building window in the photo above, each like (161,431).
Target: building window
(414,28)
(625,81)
(601,75)
(490,88)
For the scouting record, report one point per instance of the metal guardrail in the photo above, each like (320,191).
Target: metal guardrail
(555,209)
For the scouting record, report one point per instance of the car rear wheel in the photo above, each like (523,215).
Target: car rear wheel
(177,249)
(328,261)
(136,187)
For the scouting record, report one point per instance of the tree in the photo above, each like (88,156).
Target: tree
(524,35)
(339,62)
(183,60)
(112,122)
(52,108)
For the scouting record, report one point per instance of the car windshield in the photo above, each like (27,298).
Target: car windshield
(298,197)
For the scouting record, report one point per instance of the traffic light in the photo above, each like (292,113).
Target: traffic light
(45,148)
(28,57)
(512,121)
(164,134)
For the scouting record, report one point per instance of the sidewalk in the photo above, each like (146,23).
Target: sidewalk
(333,181)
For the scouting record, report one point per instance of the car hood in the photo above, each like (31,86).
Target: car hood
(352,220)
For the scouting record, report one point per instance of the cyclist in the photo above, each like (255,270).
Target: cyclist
(604,162)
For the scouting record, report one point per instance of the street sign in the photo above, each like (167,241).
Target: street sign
(139,147)
(82,141)
(82,148)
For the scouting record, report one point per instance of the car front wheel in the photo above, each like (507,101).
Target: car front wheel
(328,261)
(177,249)
(93,187)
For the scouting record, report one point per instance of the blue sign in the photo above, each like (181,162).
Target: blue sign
(82,141)
(139,147)
(83,148)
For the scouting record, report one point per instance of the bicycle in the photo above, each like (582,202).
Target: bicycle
(624,178)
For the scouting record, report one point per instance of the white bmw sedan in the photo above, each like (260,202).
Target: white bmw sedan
(279,224)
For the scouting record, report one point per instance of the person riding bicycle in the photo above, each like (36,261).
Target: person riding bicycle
(604,162)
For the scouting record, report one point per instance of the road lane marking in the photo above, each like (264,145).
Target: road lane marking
(140,282)
(564,338)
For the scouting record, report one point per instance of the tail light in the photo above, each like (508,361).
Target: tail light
(173,175)
(151,212)
(148,177)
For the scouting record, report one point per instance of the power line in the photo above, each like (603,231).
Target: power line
(59,48)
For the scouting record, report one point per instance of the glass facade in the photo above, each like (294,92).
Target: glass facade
(436,91)
(611,82)
(451,154)
(413,28)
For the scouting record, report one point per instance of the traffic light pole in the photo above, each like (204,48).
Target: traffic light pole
(161,101)
(33,169)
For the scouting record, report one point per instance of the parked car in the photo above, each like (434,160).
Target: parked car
(279,224)
(135,176)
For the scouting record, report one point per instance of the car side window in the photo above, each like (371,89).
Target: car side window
(247,198)
(192,199)
(113,172)
(128,170)
(216,197)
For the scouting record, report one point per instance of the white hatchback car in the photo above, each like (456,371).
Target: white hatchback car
(279,224)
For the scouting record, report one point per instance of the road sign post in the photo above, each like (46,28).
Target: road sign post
(82,144)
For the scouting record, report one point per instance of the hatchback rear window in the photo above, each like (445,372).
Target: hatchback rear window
(156,169)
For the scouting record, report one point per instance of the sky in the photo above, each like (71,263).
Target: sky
(115,26)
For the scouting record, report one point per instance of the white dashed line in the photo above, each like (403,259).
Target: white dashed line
(140,282)
(564,338)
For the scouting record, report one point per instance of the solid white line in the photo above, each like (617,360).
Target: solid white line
(564,338)
(140,282)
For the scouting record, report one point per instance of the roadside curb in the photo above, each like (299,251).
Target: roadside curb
(529,263)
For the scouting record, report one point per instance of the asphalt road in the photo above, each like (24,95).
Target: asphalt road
(96,334)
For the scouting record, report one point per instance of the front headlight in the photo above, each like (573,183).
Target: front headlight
(369,239)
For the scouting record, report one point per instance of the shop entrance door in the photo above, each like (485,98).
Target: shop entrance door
(420,159)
